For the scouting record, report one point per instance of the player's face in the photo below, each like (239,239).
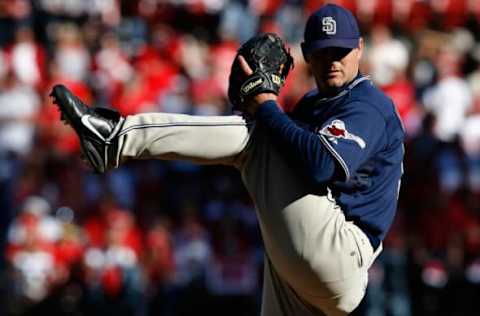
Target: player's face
(333,67)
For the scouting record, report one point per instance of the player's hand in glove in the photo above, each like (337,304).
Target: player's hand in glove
(261,66)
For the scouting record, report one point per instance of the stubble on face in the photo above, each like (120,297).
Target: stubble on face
(334,67)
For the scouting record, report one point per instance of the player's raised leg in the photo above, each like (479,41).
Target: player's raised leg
(201,139)
(108,139)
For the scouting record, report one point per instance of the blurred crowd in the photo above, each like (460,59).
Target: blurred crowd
(172,238)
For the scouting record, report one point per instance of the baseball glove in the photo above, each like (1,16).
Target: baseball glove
(270,61)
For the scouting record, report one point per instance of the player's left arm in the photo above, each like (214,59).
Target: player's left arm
(354,135)
(342,143)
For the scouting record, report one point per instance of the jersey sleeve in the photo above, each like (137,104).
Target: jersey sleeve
(353,135)
(299,144)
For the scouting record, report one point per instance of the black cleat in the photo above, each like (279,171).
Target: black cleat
(95,126)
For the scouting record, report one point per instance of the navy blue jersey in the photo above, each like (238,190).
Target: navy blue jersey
(353,143)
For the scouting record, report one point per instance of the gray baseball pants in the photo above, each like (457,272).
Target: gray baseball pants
(316,261)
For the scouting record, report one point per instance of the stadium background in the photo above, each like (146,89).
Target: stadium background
(172,238)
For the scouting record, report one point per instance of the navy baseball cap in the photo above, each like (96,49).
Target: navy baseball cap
(330,26)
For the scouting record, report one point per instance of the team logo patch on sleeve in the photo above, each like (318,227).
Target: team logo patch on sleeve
(337,130)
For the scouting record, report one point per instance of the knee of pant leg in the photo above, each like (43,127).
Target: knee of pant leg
(345,296)
(347,306)
(342,305)
(348,302)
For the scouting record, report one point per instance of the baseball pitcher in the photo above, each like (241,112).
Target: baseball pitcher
(324,179)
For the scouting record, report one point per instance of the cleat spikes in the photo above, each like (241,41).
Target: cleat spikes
(93,127)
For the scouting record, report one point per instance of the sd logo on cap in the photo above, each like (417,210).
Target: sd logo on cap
(330,26)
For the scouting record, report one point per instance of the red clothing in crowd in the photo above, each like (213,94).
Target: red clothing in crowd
(154,74)
(403,95)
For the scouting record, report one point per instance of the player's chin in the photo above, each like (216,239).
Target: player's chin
(335,81)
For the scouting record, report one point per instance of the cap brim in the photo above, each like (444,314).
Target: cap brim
(308,48)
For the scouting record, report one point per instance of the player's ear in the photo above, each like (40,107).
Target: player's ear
(306,56)
(361,46)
